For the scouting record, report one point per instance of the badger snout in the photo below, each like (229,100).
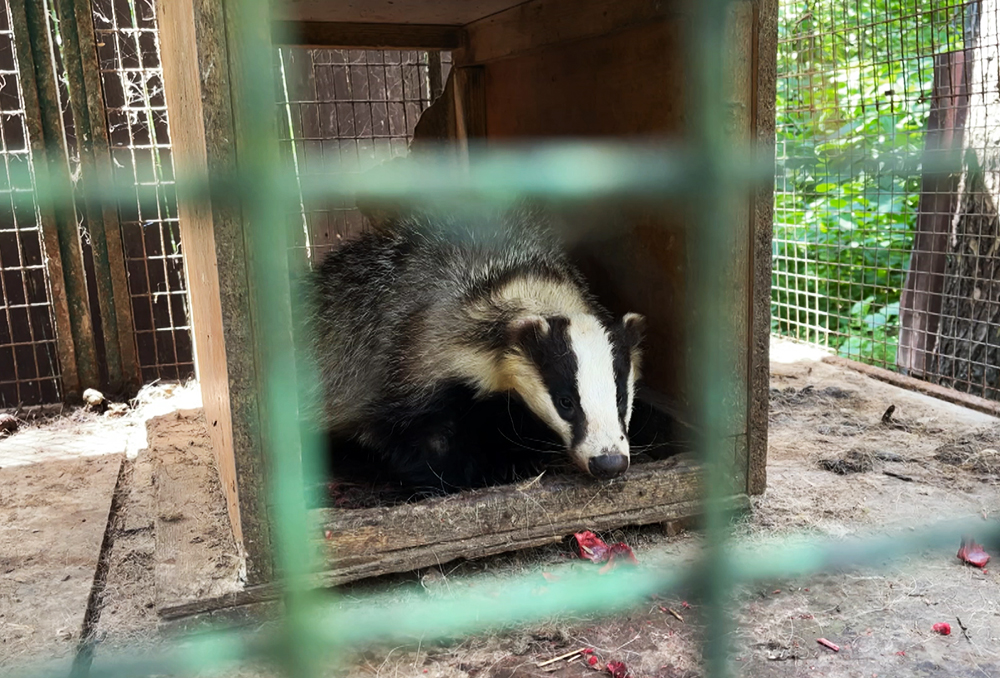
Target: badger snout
(608,466)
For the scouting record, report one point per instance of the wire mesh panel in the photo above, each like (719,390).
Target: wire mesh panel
(880,252)
(29,365)
(128,51)
(357,108)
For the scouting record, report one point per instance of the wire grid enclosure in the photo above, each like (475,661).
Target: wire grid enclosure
(880,253)
(29,364)
(132,79)
(356,108)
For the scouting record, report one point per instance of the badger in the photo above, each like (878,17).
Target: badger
(434,334)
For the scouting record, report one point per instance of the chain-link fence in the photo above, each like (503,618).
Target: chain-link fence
(879,257)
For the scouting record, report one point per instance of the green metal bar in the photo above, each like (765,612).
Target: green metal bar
(711,372)
(266,217)
(378,618)
(492,604)
(87,105)
(31,33)
(563,170)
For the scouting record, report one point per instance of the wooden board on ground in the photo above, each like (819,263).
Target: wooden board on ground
(473,524)
(196,556)
(370,542)
(53,515)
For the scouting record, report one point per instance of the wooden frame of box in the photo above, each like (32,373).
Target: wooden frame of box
(541,68)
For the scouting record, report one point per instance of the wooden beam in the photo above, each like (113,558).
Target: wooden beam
(470,522)
(367,36)
(949,395)
(399,12)
(739,267)
(83,77)
(246,348)
(43,116)
(541,23)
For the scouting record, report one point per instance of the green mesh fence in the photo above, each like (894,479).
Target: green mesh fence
(706,170)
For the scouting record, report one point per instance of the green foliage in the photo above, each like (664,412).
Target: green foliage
(853,95)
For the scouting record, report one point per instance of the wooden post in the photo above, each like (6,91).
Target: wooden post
(920,303)
(434,79)
(763,76)
(470,104)
(43,114)
(87,101)
(198,85)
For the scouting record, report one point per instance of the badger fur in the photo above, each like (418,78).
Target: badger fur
(431,334)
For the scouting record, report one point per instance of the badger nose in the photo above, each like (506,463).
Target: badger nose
(608,466)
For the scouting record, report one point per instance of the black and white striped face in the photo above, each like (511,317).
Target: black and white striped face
(579,377)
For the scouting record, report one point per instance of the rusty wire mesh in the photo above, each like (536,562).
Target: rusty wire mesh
(29,364)
(138,129)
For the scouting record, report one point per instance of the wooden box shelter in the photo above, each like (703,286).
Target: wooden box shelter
(540,68)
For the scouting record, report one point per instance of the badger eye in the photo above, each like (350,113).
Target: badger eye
(565,404)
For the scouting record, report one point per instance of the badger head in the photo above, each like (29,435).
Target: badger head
(578,376)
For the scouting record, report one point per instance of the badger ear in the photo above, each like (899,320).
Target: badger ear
(526,329)
(635,329)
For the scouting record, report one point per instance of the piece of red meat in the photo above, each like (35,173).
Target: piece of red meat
(594,549)
(618,670)
(972,553)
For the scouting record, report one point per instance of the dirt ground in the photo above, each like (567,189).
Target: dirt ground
(52,523)
(93,507)
(835,469)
